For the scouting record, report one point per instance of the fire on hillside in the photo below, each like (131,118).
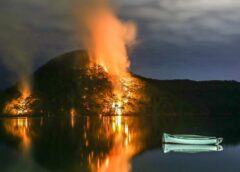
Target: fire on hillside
(21,105)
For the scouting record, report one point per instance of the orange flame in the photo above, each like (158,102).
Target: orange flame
(20,105)
(107,44)
(25,89)
(108,40)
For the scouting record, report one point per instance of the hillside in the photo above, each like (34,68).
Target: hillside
(67,82)
(188,97)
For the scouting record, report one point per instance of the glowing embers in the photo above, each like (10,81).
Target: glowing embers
(108,94)
(20,106)
(97,71)
(23,104)
(126,97)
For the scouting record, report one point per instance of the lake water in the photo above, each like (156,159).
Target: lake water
(113,144)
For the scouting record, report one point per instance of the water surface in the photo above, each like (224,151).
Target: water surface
(112,143)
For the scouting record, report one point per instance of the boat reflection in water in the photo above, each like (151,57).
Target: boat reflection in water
(191,148)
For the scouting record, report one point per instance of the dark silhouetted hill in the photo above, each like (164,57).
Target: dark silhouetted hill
(68,82)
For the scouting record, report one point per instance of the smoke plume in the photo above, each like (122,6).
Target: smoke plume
(17,48)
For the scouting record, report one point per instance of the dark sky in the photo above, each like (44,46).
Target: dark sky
(178,39)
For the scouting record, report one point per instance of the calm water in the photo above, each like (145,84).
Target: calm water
(112,144)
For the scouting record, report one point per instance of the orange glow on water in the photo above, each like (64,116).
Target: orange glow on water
(73,115)
(117,160)
(124,134)
(122,151)
(19,127)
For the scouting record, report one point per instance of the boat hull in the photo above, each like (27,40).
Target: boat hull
(191,139)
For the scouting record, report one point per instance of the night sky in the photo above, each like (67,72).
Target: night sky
(178,39)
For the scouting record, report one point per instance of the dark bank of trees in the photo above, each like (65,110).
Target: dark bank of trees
(188,97)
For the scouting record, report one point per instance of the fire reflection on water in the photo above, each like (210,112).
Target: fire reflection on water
(125,136)
(19,128)
(118,157)
(73,117)
(107,143)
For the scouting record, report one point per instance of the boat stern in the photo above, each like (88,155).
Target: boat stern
(219,140)
(165,135)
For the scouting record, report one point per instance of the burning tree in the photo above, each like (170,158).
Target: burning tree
(23,104)
(20,106)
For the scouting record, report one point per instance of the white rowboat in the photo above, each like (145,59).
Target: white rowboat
(191,139)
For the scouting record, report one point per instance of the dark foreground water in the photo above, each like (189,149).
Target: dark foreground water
(113,144)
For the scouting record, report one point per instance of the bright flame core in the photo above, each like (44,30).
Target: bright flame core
(108,38)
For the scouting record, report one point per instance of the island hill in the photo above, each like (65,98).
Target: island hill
(67,82)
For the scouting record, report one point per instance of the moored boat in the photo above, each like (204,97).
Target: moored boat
(191,139)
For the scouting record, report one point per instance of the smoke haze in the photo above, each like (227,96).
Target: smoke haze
(17,46)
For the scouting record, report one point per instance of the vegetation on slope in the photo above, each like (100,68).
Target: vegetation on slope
(67,82)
